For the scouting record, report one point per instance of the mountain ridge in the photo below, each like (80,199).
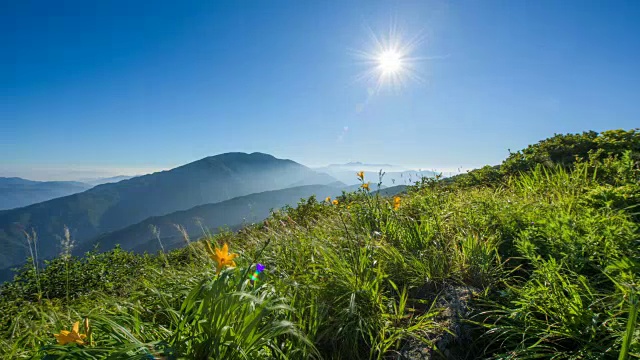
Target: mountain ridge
(109,207)
(228,213)
(16,192)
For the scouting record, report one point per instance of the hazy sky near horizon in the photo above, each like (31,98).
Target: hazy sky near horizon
(133,86)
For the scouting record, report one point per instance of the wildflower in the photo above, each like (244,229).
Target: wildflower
(222,257)
(328,199)
(365,186)
(335,202)
(360,175)
(73,336)
(396,203)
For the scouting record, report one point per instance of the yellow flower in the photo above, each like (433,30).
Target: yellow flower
(360,175)
(328,199)
(365,186)
(396,203)
(73,336)
(335,202)
(221,256)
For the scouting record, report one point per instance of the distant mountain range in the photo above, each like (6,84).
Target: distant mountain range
(114,206)
(226,190)
(362,166)
(17,192)
(394,175)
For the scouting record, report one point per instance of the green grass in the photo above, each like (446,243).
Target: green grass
(551,258)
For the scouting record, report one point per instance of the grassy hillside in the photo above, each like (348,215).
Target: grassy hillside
(500,263)
(231,213)
(110,207)
(345,174)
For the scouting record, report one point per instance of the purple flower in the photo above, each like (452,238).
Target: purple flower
(260,267)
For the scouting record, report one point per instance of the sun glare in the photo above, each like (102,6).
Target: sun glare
(390,61)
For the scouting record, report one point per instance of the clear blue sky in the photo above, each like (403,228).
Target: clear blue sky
(141,85)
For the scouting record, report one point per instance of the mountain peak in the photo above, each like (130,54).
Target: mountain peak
(14,180)
(238,159)
(113,206)
(239,156)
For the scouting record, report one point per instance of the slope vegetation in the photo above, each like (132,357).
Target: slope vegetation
(535,263)
(203,219)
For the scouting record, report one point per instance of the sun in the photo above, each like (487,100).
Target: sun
(390,60)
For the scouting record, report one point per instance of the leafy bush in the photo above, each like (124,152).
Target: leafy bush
(565,150)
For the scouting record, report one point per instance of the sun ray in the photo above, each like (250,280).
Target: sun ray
(390,61)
